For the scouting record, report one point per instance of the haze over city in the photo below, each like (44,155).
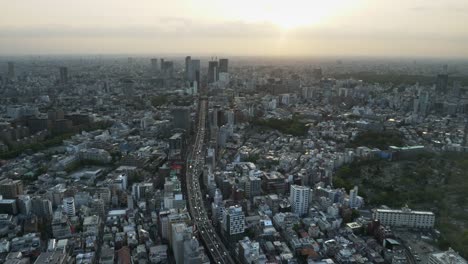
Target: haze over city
(234,132)
(416,28)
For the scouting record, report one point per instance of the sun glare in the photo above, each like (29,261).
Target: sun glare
(286,14)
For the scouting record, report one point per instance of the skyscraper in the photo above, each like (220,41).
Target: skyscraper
(195,71)
(212,71)
(168,69)
(223,65)
(11,70)
(442,83)
(63,75)
(188,67)
(154,65)
(299,198)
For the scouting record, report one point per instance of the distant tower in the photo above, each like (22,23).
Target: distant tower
(195,74)
(188,67)
(63,75)
(69,206)
(162,64)
(212,71)
(11,70)
(223,65)
(154,65)
(442,83)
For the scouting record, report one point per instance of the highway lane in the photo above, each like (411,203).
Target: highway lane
(195,161)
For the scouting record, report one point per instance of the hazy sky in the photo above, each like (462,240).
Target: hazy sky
(435,28)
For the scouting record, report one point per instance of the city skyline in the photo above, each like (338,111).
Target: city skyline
(263,28)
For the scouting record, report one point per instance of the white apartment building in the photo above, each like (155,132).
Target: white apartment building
(405,218)
(299,198)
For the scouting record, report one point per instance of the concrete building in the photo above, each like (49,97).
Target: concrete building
(223,65)
(447,257)
(10,189)
(213,71)
(180,233)
(41,207)
(63,75)
(194,252)
(299,198)
(233,222)
(69,206)
(405,218)
(181,118)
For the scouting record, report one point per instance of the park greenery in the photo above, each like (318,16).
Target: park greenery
(51,141)
(437,183)
(380,140)
(293,126)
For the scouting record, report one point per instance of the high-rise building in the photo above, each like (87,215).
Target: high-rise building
(63,75)
(299,198)
(154,65)
(181,118)
(69,206)
(212,71)
(194,252)
(41,207)
(11,70)
(24,204)
(442,83)
(168,69)
(353,198)
(223,65)
(233,222)
(180,233)
(188,67)
(195,71)
(10,189)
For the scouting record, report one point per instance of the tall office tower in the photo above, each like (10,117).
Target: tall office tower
(188,67)
(69,206)
(442,83)
(181,118)
(353,198)
(154,65)
(180,233)
(223,65)
(299,198)
(212,71)
(162,64)
(233,223)
(195,71)
(63,75)
(11,70)
(168,69)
